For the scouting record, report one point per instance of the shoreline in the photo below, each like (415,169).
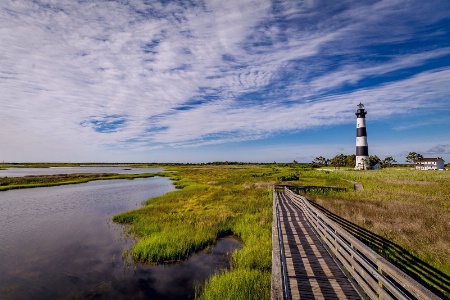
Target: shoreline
(34,181)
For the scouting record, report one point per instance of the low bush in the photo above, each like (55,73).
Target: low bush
(290,177)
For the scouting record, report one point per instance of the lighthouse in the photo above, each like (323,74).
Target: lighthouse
(362,148)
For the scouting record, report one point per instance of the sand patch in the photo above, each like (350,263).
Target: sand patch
(259,185)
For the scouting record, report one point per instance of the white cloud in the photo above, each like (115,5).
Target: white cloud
(179,75)
(226,117)
(352,73)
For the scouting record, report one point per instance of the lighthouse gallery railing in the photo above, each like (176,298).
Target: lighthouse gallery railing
(375,275)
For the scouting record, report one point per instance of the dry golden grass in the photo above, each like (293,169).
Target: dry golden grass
(413,182)
(422,230)
(259,185)
(407,207)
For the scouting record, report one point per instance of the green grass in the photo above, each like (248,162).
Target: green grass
(407,207)
(245,284)
(212,201)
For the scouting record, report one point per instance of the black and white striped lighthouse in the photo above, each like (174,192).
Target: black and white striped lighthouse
(362,148)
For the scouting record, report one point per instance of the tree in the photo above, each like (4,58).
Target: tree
(373,160)
(338,161)
(350,160)
(414,157)
(388,162)
(320,161)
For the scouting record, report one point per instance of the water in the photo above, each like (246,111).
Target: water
(59,243)
(19,172)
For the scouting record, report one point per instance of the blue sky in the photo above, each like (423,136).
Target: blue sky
(200,81)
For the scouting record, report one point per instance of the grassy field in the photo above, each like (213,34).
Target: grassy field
(68,165)
(405,207)
(408,208)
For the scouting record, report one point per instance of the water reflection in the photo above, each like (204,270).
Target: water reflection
(175,281)
(59,242)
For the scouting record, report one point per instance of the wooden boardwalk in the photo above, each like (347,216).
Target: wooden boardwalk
(312,272)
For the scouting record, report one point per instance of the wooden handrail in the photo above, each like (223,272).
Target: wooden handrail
(279,287)
(378,278)
(309,188)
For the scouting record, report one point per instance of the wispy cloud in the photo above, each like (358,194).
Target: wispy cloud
(143,75)
(439,149)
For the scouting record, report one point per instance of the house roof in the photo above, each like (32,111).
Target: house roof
(425,159)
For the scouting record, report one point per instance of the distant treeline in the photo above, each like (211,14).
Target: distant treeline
(338,161)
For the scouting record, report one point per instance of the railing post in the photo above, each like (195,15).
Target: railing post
(336,240)
(352,263)
(380,282)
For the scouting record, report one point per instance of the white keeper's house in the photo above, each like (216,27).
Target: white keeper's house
(430,164)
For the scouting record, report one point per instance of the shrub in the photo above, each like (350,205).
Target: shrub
(289,177)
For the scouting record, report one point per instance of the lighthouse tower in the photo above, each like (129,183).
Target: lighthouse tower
(362,148)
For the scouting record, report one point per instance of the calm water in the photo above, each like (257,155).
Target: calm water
(19,172)
(59,242)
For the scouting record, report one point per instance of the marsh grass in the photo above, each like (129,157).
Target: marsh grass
(245,284)
(405,207)
(212,202)
(31,181)
(408,208)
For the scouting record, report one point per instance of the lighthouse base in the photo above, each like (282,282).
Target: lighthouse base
(362,163)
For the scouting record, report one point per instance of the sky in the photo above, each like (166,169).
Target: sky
(236,80)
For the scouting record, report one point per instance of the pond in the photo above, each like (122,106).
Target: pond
(59,242)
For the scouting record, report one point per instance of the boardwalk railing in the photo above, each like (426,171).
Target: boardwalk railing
(312,188)
(378,278)
(281,260)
